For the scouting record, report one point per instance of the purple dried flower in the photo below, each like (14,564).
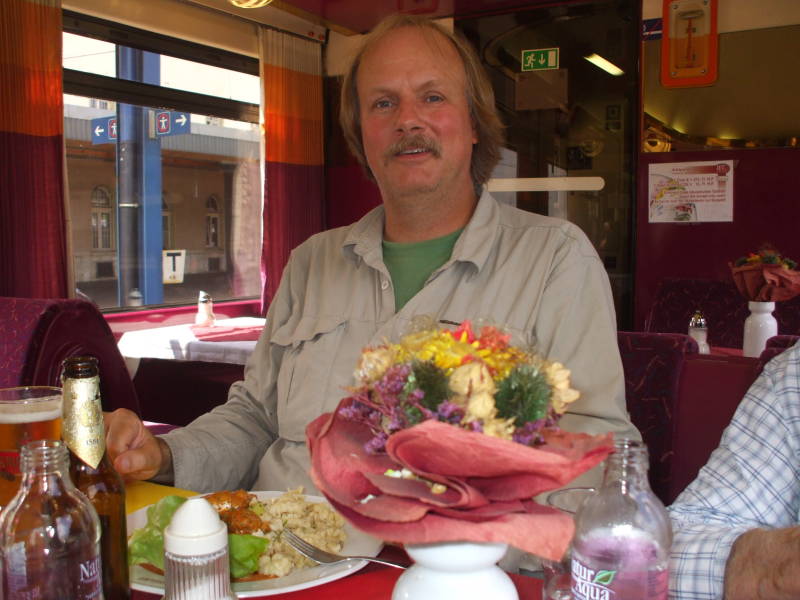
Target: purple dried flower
(377,444)
(450,412)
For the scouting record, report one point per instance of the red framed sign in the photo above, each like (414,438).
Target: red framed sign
(689,43)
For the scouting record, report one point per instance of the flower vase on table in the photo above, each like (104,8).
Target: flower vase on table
(763,278)
(455,571)
(441,446)
(758,327)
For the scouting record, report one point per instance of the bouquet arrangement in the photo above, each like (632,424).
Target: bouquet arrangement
(766,276)
(448,436)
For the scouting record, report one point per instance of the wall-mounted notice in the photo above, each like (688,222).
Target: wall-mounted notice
(690,192)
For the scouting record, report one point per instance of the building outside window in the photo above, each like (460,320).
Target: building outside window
(102,222)
(184,125)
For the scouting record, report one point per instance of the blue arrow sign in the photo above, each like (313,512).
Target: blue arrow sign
(104,130)
(169,122)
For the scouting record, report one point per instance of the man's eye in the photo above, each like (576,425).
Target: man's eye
(383,104)
(433,98)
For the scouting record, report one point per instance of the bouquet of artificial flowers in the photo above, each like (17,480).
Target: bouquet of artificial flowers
(448,435)
(766,276)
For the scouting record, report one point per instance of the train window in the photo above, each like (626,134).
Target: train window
(163,166)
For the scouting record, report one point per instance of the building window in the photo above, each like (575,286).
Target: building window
(166,224)
(212,222)
(102,231)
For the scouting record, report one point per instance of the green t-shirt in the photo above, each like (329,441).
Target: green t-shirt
(410,265)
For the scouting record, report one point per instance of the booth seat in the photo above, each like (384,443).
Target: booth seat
(681,401)
(653,364)
(179,391)
(722,305)
(38,334)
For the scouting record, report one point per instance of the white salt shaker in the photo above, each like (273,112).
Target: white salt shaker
(205,310)
(196,554)
(699,331)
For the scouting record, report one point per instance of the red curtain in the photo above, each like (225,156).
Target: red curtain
(33,247)
(291,73)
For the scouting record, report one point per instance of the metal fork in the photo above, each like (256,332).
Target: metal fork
(321,556)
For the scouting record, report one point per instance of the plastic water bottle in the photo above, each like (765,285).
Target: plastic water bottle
(698,329)
(622,534)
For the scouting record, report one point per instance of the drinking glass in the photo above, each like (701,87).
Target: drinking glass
(557,574)
(26,414)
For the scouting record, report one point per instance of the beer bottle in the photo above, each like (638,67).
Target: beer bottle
(92,470)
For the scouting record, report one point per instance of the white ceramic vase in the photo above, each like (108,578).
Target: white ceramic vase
(455,571)
(758,327)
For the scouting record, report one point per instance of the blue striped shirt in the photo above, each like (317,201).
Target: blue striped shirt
(751,480)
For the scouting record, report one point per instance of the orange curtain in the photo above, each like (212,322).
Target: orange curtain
(291,75)
(33,255)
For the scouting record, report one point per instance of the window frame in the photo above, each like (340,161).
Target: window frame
(81,83)
(101,87)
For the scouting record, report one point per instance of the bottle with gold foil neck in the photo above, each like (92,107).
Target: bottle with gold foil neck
(92,471)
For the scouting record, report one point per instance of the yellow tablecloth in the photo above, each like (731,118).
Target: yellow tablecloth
(139,494)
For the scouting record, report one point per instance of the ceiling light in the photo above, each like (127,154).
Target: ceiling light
(250,3)
(604,64)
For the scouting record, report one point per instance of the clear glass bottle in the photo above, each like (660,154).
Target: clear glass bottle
(698,329)
(622,534)
(49,533)
(92,471)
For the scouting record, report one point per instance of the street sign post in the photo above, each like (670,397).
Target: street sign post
(541,59)
(168,122)
(104,130)
(172,265)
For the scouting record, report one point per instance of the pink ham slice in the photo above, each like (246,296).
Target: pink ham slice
(490,482)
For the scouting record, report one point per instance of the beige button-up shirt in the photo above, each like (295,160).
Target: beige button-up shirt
(537,276)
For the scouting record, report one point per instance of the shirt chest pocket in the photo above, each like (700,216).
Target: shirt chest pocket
(310,348)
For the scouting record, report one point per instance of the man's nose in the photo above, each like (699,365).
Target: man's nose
(408,117)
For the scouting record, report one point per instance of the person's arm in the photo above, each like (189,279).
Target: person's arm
(576,325)
(764,564)
(749,483)
(222,449)
(134,451)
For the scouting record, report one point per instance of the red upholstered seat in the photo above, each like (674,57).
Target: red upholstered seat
(775,345)
(652,363)
(36,335)
(179,391)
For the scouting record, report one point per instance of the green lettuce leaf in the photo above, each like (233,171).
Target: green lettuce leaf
(243,553)
(146,545)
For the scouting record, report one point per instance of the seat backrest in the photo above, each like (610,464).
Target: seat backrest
(775,345)
(652,364)
(37,335)
(724,308)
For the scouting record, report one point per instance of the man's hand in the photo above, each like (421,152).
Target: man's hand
(764,564)
(135,452)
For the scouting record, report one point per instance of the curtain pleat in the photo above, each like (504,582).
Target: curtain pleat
(33,255)
(291,74)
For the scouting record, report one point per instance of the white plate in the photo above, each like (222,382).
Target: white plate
(357,543)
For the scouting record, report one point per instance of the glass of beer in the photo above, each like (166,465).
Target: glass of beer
(26,413)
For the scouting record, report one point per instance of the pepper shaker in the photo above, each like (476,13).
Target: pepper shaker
(699,331)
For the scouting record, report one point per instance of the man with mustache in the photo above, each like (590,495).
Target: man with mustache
(418,112)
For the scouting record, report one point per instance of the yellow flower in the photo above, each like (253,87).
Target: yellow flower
(558,378)
(472,378)
(499,428)
(373,363)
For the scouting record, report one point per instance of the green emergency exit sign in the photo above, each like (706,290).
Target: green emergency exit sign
(541,59)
